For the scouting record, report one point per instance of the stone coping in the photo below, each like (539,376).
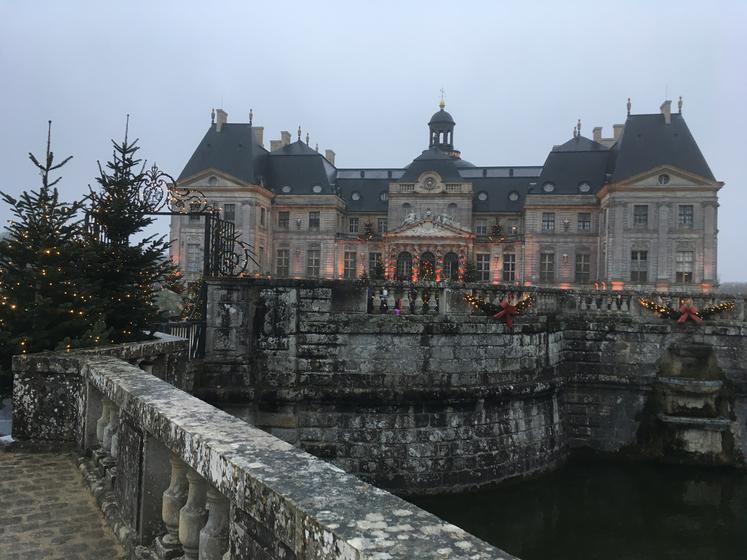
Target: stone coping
(311,506)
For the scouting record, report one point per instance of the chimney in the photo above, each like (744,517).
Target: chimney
(666,110)
(259,135)
(597,132)
(285,137)
(617,130)
(275,145)
(330,155)
(221,118)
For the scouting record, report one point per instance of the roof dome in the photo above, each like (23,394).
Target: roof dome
(441,118)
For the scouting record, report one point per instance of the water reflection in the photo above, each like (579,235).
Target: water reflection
(592,510)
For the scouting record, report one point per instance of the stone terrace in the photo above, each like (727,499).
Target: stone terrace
(47,512)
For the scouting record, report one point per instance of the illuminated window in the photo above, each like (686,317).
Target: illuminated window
(349,270)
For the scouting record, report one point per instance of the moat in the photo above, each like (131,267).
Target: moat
(598,510)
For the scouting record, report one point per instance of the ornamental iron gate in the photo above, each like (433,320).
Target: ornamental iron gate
(225,255)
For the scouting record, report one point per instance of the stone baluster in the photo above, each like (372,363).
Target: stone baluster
(193,515)
(419,301)
(103,421)
(214,535)
(625,304)
(593,305)
(110,428)
(174,498)
(114,447)
(390,300)
(582,303)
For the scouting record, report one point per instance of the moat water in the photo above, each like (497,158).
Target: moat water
(604,511)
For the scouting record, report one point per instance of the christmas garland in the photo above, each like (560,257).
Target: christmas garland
(686,311)
(504,310)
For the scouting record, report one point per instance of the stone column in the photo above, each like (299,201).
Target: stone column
(193,515)
(214,535)
(174,498)
(112,432)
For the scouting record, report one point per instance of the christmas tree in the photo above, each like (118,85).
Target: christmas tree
(122,275)
(470,272)
(42,297)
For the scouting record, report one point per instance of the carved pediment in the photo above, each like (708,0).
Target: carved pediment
(666,176)
(429,227)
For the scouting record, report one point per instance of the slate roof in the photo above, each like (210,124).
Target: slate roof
(233,150)
(648,142)
(442,117)
(433,159)
(580,160)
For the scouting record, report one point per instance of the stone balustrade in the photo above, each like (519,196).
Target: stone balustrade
(193,482)
(178,478)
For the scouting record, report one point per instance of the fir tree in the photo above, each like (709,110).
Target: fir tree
(123,276)
(379,273)
(470,272)
(41,297)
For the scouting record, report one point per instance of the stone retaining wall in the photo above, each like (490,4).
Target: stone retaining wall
(444,399)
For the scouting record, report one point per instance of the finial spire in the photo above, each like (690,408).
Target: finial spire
(251,116)
(442,103)
(578,126)
(212,116)
(679,105)
(307,138)
(316,148)
(575,132)
(299,132)
(629,106)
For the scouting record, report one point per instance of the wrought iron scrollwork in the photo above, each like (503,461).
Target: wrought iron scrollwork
(159,192)
(229,255)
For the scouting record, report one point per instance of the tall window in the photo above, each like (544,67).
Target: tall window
(229,212)
(194,257)
(406,210)
(283,219)
(353,225)
(547,267)
(373,260)
(640,215)
(260,257)
(314,221)
(639,266)
(685,216)
(483,267)
(584,221)
(313,261)
(509,267)
(481,227)
(381,225)
(451,211)
(583,268)
(282,262)
(684,266)
(263,217)
(349,270)
(450,267)
(404,266)
(548,221)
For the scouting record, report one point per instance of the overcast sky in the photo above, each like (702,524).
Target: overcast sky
(364,78)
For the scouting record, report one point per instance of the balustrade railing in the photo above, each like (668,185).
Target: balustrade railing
(431,298)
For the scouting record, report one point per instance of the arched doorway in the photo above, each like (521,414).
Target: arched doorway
(427,268)
(404,266)
(451,267)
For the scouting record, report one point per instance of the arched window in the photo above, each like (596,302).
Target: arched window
(404,266)
(451,267)
(427,269)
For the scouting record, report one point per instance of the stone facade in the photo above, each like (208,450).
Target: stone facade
(638,209)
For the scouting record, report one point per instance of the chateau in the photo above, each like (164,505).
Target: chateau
(635,210)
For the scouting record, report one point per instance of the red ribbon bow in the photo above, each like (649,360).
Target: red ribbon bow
(689,312)
(507,312)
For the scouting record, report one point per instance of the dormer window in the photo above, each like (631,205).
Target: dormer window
(316,189)
(356,195)
(584,187)
(548,187)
